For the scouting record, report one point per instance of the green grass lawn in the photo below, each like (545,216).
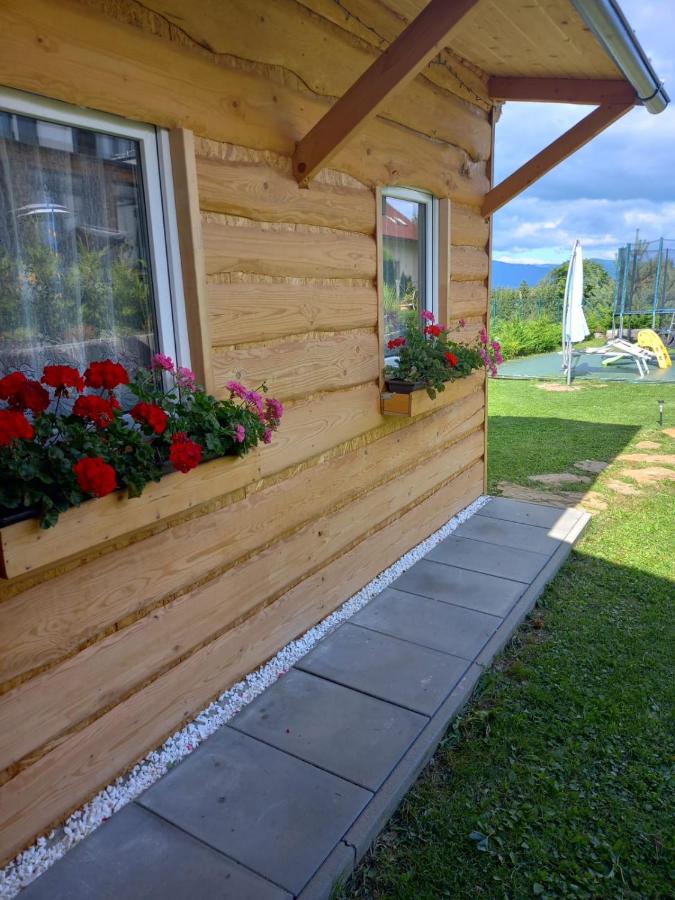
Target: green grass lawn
(554,783)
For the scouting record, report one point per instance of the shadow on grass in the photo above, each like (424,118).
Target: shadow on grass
(554,781)
(522,446)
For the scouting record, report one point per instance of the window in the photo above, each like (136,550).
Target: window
(87,236)
(409,257)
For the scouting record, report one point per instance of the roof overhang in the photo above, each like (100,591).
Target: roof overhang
(565,51)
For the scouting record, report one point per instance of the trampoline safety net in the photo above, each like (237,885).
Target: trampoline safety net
(644,294)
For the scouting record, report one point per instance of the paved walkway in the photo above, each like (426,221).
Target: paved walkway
(289,795)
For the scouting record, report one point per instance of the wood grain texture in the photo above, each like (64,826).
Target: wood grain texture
(280,251)
(50,621)
(87,760)
(266,193)
(469,226)
(104,672)
(241,311)
(176,87)
(419,402)
(406,56)
(322,362)
(25,546)
(586,91)
(469,263)
(323,59)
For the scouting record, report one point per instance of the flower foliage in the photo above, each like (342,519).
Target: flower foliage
(66,437)
(428,356)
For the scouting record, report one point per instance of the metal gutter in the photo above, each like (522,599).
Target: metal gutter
(611,28)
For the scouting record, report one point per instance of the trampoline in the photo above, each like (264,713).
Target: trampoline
(584,366)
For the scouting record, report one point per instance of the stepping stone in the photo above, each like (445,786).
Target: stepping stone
(340,730)
(520,565)
(385,667)
(277,815)
(557,478)
(508,534)
(441,626)
(449,584)
(525,513)
(137,856)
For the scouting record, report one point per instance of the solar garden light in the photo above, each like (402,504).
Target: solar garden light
(661,403)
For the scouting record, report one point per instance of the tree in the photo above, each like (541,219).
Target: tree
(598,283)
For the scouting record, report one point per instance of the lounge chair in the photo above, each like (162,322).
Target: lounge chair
(620,348)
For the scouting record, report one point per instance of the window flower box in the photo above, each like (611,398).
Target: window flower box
(72,457)
(418,401)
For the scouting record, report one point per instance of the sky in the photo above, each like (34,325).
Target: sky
(622,181)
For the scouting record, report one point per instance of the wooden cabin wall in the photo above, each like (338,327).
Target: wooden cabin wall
(103,656)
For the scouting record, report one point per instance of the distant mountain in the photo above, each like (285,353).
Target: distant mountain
(511,275)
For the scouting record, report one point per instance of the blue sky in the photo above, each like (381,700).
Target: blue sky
(623,180)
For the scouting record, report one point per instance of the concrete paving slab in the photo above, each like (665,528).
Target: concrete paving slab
(441,626)
(525,513)
(138,856)
(278,815)
(343,731)
(486,593)
(508,534)
(335,871)
(385,667)
(478,556)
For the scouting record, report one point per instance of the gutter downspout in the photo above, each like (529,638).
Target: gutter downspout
(609,25)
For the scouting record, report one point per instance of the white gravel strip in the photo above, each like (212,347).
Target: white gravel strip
(27,866)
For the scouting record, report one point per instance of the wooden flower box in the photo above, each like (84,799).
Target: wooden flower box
(417,402)
(24,546)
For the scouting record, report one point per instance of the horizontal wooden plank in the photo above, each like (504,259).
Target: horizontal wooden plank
(469,264)
(242,311)
(267,193)
(74,690)
(468,227)
(87,760)
(25,546)
(467,298)
(51,620)
(586,91)
(176,87)
(300,367)
(301,252)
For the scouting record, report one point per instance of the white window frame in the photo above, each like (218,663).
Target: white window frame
(431,243)
(167,281)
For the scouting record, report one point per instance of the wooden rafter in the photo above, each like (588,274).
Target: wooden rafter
(405,57)
(555,153)
(561,90)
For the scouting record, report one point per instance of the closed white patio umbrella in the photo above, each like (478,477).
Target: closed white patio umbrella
(574,327)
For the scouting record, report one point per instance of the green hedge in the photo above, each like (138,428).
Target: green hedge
(527,336)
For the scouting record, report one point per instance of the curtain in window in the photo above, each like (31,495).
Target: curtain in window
(75,280)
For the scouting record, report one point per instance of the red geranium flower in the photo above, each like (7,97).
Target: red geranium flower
(434,330)
(10,384)
(451,358)
(14,425)
(185,454)
(97,409)
(61,378)
(95,476)
(152,415)
(106,374)
(395,342)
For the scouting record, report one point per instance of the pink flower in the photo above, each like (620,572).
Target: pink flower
(253,398)
(483,336)
(240,434)
(426,314)
(160,361)
(484,355)
(462,323)
(496,346)
(186,378)
(274,410)
(267,436)
(237,389)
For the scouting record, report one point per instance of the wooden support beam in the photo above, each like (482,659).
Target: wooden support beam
(588,91)
(405,57)
(555,153)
